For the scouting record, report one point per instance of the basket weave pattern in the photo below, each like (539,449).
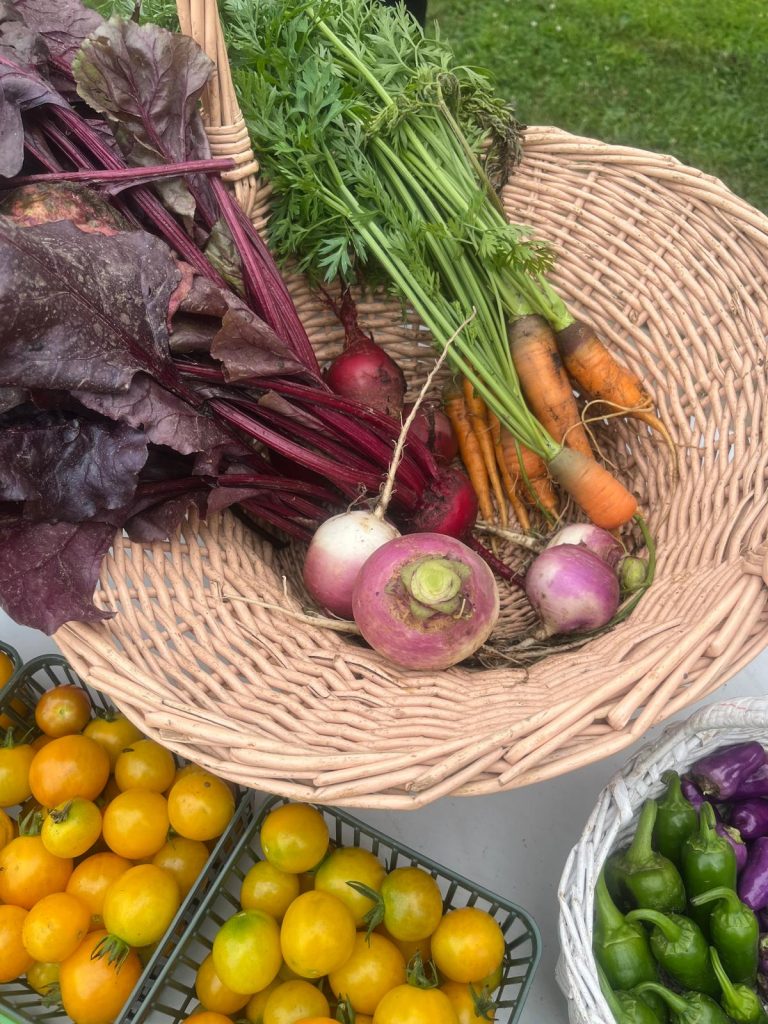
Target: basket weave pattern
(673,270)
(613,822)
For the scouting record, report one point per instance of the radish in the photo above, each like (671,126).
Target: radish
(425,601)
(572,589)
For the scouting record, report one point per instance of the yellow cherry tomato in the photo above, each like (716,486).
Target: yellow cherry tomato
(374,967)
(469,1008)
(317,934)
(200,806)
(246,951)
(145,764)
(42,978)
(15,764)
(135,823)
(71,828)
(407,1004)
(28,872)
(113,732)
(213,993)
(294,837)
(55,927)
(254,1009)
(351,864)
(185,859)
(413,904)
(268,889)
(7,829)
(140,905)
(467,945)
(207,1017)
(293,1001)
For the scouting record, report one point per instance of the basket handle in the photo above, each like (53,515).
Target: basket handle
(223,120)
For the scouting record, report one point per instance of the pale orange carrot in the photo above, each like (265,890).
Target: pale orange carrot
(606,501)
(478,417)
(545,383)
(469,450)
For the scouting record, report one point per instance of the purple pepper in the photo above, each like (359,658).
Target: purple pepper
(734,838)
(753,881)
(719,774)
(750,817)
(755,784)
(691,792)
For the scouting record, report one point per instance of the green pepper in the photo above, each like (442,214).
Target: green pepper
(612,872)
(690,1008)
(676,819)
(708,862)
(735,933)
(740,1002)
(680,948)
(621,948)
(652,881)
(626,1007)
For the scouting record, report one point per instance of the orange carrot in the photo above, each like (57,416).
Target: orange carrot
(521,513)
(532,474)
(478,417)
(545,383)
(593,367)
(606,501)
(469,450)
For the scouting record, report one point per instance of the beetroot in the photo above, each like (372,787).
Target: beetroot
(433,428)
(448,505)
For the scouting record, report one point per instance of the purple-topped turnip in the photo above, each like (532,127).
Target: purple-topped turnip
(600,542)
(572,589)
(425,601)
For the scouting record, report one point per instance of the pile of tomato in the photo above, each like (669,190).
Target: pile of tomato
(101,837)
(327,934)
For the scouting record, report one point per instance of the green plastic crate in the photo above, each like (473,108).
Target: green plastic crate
(19,1004)
(172,996)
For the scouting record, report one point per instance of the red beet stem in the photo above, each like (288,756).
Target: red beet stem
(499,567)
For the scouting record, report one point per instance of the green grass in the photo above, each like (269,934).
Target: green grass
(687,77)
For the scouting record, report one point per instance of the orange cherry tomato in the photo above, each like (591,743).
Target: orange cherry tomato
(114,732)
(200,806)
(95,991)
(213,993)
(72,828)
(6,671)
(135,823)
(184,859)
(14,959)
(207,1017)
(91,879)
(55,927)
(28,872)
(63,710)
(7,829)
(467,945)
(67,767)
(145,764)
(375,966)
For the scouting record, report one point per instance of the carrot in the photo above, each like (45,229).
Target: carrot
(521,513)
(469,450)
(606,501)
(478,417)
(593,367)
(531,471)
(544,381)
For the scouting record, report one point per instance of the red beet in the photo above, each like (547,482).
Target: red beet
(433,428)
(448,506)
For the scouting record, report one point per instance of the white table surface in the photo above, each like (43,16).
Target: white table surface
(514,843)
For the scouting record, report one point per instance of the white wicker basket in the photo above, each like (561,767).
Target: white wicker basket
(613,821)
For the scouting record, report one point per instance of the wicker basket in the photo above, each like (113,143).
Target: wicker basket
(673,270)
(613,822)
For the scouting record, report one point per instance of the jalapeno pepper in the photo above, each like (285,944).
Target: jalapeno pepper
(626,1007)
(652,880)
(621,948)
(681,950)
(734,932)
(741,1003)
(690,1008)
(676,819)
(708,862)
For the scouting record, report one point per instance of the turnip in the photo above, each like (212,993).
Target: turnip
(572,589)
(593,538)
(425,601)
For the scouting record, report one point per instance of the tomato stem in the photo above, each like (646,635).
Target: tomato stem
(420,974)
(31,824)
(375,915)
(115,950)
